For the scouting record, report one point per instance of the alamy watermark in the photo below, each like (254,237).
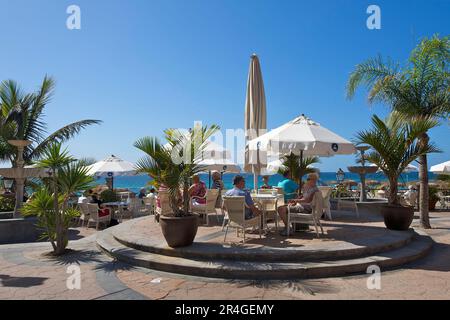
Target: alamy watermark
(374,20)
(374,280)
(73,22)
(73,282)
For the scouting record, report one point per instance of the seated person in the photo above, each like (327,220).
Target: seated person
(86,197)
(152,194)
(142,194)
(411,196)
(197,191)
(217,180)
(251,210)
(289,187)
(218,184)
(266,184)
(303,204)
(102,212)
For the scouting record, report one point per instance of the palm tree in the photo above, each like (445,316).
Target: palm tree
(298,166)
(67,177)
(21,118)
(420,89)
(394,145)
(174,165)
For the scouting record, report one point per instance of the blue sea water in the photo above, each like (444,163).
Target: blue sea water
(135,183)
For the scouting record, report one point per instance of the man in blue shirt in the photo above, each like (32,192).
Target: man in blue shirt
(290,188)
(251,210)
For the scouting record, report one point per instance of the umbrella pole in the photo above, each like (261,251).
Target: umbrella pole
(209,179)
(255,180)
(301,171)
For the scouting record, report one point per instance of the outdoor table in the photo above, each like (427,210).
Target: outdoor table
(114,205)
(261,198)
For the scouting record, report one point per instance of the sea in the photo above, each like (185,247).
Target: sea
(135,183)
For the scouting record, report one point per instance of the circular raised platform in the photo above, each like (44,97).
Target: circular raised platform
(341,240)
(346,248)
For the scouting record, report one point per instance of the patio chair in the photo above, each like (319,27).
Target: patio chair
(345,203)
(94,216)
(308,218)
(235,207)
(209,207)
(84,209)
(442,200)
(150,204)
(326,194)
(137,208)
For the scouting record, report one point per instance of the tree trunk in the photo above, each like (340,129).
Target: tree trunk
(60,245)
(393,189)
(423,196)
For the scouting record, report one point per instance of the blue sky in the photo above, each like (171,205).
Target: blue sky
(144,65)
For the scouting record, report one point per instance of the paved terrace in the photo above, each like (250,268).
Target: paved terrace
(28,272)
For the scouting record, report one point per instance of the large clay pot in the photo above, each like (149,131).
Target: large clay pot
(179,231)
(397,217)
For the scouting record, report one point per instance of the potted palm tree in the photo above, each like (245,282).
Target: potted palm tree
(417,89)
(172,166)
(394,145)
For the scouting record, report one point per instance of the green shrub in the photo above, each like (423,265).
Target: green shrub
(109,196)
(7,203)
(433,193)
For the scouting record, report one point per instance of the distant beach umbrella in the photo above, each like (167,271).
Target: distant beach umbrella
(112,166)
(442,168)
(255,115)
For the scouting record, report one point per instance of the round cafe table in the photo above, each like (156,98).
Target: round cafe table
(261,198)
(115,205)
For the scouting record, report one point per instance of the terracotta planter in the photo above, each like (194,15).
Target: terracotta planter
(179,231)
(397,217)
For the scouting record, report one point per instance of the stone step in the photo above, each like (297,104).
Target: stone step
(199,250)
(235,269)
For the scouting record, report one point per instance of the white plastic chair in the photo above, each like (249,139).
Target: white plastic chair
(137,208)
(84,209)
(326,194)
(150,204)
(209,207)
(347,204)
(95,218)
(235,207)
(308,218)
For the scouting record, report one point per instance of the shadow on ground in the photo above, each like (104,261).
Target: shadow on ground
(20,282)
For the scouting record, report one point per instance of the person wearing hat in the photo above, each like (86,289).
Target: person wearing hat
(251,210)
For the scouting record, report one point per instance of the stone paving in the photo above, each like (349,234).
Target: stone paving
(26,272)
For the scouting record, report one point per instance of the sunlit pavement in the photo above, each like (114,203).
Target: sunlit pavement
(26,272)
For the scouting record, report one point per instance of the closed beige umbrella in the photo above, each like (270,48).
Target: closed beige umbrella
(255,113)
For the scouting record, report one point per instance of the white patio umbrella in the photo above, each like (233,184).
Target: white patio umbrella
(442,168)
(111,167)
(255,114)
(301,136)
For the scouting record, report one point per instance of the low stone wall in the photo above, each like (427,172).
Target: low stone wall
(18,230)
